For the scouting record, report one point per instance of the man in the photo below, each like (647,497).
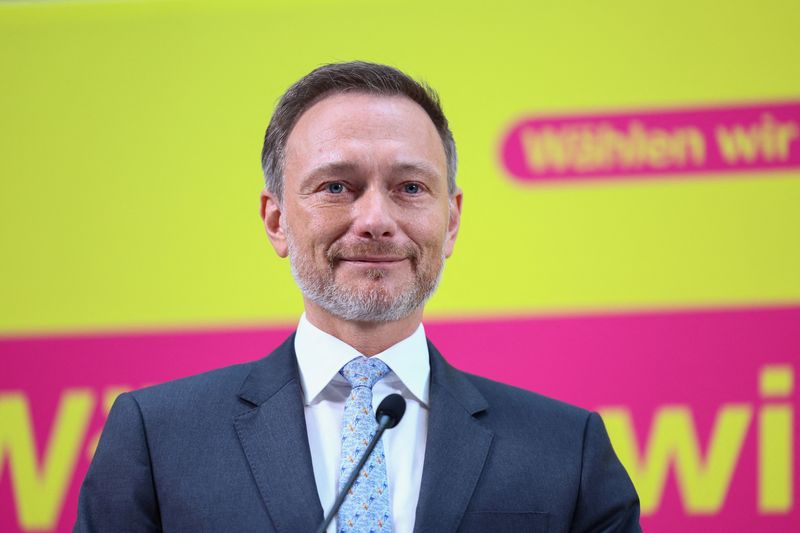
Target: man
(361,196)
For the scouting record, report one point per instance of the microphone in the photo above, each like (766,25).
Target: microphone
(389,413)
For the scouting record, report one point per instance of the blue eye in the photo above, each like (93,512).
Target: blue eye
(412,188)
(335,188)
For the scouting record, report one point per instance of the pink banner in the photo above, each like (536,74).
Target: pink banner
(699,404)
(651,143)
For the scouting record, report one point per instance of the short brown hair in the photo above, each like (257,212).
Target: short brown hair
(354,76)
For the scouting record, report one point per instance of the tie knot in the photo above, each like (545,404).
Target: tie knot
(364,371)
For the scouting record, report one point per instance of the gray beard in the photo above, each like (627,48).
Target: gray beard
(361,305)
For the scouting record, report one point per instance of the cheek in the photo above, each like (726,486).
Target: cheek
(317,216)
(430,239)
(324,228)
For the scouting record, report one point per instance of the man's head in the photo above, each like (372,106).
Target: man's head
(361,190)
(355,77)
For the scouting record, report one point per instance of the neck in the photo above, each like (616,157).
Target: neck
(369,338)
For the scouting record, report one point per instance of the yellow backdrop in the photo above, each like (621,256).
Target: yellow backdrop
(131,134)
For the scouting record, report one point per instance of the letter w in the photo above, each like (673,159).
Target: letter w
(738,143)
(703,485)
(40,490)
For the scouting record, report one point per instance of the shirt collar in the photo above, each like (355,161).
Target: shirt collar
(320,356)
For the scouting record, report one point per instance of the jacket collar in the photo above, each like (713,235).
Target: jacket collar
(274,438)
(270,374)
(275,441)
(456,450)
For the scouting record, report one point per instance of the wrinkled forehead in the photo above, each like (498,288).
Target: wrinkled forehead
(354,127)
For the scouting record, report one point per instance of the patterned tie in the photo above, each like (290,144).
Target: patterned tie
(367,506)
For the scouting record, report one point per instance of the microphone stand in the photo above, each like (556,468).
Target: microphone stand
(383,423)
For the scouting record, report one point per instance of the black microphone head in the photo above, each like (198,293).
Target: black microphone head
(393,407)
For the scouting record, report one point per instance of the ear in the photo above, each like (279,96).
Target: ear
(453,222)
(271,213)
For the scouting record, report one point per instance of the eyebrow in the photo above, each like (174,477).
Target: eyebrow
(339,168)
(417,167)
(336,168)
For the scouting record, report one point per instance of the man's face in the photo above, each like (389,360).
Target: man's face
(366,218)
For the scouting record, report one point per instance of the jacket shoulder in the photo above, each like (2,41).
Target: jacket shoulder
(212,385)
(566,449)
(521,410)
(219,388)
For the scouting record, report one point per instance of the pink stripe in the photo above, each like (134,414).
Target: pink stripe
(643,361)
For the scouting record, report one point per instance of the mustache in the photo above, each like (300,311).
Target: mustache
(340,250)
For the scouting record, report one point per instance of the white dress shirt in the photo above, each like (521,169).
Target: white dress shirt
(320,357)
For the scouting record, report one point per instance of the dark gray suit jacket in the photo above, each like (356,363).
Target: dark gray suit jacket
(227,451)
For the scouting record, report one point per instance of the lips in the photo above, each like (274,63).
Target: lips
(373,262)
(375,254)
(373,259)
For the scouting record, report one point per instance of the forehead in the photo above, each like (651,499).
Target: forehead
(364,129)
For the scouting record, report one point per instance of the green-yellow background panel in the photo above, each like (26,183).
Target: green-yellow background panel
(130,137)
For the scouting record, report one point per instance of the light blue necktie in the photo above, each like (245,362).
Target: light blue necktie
(367,506)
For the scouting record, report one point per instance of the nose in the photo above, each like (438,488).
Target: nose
(372,215)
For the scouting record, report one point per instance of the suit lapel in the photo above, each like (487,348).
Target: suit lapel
(456,449)
(275,442)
